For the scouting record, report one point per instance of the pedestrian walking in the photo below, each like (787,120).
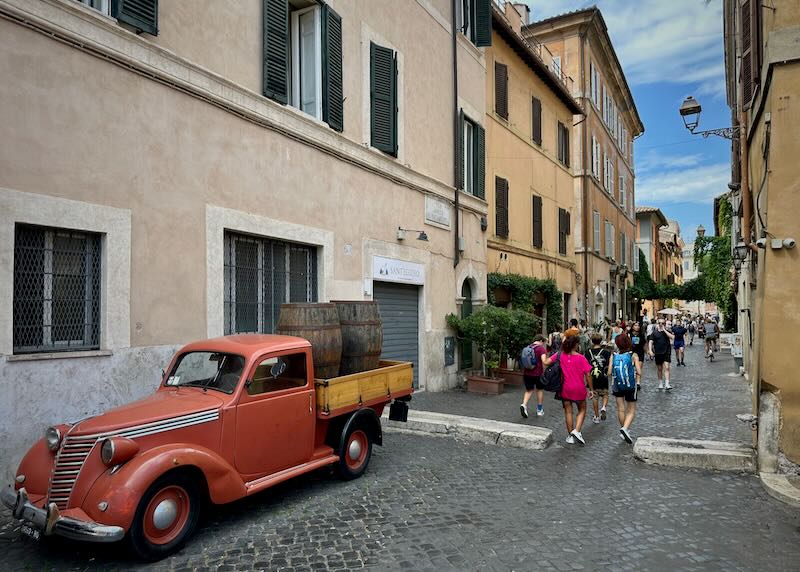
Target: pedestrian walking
(533,363)
(576,375)
(598,357)
(691,329)
(651,327)
(554,342)
(660,349)
(616,330)
(679,331)
(638,341)
(625,370)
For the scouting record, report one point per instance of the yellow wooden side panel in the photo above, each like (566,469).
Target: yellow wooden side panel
(349,390)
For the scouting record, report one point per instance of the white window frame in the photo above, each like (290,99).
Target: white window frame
(102,6)
(608,238)
(636,259)
(557,65)
(623,248)
(622,191)
(595,158)
(613,255)
(296,72)
(469,156)
(596,222)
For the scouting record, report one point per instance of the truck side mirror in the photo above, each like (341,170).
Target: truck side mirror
(248,383)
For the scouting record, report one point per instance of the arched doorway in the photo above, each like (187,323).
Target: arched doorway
(465,353)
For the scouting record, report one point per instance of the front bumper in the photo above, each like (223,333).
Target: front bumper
(50,521)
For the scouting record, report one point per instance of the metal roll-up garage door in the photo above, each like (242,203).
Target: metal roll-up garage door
(399,307)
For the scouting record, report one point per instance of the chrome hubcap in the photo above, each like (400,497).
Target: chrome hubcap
(354,450)
(165,514)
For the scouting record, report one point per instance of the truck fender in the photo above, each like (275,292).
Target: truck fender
(122,489)
(369,420)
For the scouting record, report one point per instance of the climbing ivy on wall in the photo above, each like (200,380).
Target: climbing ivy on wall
(523,289)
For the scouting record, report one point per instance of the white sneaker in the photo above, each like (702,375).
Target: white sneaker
(625,434)
(578,436)
(668,386)
(570,440)
(523,410)
(539,411)
(661,385)
(595,419)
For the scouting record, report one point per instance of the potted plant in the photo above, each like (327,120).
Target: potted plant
(521,327)
(486,328)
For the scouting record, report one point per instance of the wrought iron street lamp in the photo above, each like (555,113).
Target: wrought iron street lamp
(701,231)
(739,255)
(690,113)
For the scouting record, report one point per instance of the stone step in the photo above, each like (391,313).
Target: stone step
(472,429)
(713,455)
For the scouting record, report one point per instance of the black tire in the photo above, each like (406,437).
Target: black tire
(143,537)
(352,465)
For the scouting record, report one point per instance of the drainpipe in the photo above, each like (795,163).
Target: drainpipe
(584,188)
(456,253)
(747,217)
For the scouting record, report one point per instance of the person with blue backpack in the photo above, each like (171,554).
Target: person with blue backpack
(625,371)
(533,360)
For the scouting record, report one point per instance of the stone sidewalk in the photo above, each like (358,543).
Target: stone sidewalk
(703,405)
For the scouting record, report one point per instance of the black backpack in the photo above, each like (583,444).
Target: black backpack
(552,377)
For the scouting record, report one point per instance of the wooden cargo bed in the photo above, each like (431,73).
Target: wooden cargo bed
(338,395)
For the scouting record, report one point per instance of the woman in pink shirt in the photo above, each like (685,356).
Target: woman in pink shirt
(575,370)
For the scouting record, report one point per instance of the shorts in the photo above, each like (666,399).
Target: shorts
(628,394)
(602,392)
(679,344)
(661,358)
(532,382)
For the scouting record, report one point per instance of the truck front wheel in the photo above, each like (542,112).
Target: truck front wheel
(165,518)
(355,454)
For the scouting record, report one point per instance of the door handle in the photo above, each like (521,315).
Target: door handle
(310,404)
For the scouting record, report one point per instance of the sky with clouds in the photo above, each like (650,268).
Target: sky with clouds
(670,49)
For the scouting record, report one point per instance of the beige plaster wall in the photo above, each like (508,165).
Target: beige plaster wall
(777,293)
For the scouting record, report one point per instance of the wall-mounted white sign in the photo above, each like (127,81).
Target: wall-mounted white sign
(437,212)
(393,270)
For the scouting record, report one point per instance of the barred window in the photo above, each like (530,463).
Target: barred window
(260,275)
(56,290)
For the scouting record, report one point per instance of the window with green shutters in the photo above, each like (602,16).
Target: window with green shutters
(564,223)
(501,206)
(474,19)
(472,160)
(538,240)
(141,14)
(383,99)
(302,60)
(501,89)
(536,120)
(563,144)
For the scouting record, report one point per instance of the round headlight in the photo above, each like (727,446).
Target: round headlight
(53,438)
(107,451)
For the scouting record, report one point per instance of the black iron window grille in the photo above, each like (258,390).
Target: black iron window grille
(260,275)
(56,290)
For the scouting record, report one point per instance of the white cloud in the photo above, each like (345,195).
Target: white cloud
(674,41)
(698,184)
(655,161)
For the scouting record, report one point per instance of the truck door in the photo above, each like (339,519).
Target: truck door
(275,417)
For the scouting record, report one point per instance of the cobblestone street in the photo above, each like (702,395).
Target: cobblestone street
(431,503)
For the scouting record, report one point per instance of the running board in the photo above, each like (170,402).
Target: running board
(286,474)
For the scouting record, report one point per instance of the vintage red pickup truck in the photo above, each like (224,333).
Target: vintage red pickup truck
(232,417)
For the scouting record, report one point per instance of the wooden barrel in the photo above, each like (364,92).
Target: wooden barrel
(319,324)
(362,335)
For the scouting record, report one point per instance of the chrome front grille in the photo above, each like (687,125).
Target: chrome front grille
(69,461)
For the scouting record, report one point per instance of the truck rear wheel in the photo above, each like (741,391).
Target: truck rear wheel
(355,454)
(165,518)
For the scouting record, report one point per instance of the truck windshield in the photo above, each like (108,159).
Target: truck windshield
(212,370)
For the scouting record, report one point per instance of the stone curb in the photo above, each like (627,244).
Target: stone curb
(712,455)
(779,487)
(474,429)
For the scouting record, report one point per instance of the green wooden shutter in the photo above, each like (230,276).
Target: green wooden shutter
(483,23)
(562,233)
(276,50)
(479,182)
(536,120)
(538,240)
(332,69)
(501,89)
(383,99)
(501,206)
(566,146)
(460,151)
(141,14)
